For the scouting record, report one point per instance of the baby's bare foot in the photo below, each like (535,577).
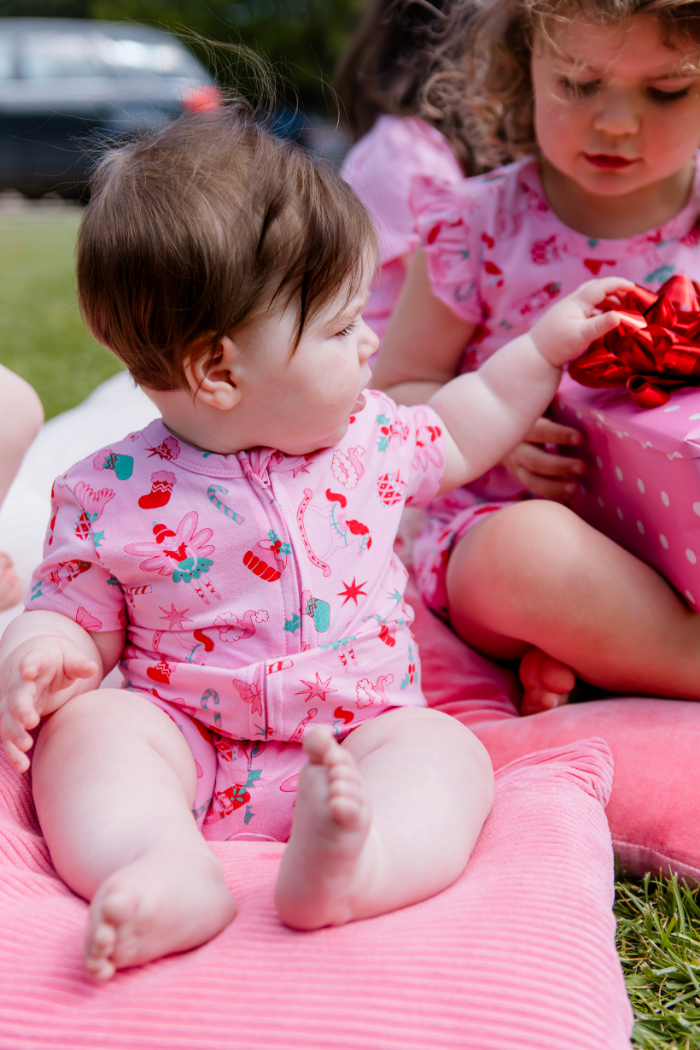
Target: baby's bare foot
(11,589)
(166,901)
(322,866)
(546,682)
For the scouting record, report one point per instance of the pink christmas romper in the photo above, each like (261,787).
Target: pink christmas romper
(498,256)
(259,592)
(380,168)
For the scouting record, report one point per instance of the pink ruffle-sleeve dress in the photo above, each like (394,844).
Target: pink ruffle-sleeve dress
(380,168)
(498,256)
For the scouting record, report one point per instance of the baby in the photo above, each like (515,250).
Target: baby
(235,558)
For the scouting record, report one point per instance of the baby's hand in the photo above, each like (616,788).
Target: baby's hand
(569,327)
(35,679)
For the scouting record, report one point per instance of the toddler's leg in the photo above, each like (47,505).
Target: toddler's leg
(537,575)
(114,781)
(386,819)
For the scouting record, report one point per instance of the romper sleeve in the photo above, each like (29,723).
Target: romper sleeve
(413,450)
(444,227)
(71,579)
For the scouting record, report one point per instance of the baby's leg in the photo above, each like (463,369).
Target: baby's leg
(537,575)
(387,819)
(114,781)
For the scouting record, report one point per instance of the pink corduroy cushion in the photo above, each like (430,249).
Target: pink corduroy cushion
(519,952)
(654,809)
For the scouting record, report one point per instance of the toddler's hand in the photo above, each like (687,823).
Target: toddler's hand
(569,327)
(547,473)
(34,681)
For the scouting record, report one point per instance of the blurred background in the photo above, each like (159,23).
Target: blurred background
(75,71)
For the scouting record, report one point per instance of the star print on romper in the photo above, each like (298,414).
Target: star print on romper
(352,590)
(176,617)
(318,688)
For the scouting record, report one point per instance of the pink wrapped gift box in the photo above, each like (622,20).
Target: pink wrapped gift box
(642,483)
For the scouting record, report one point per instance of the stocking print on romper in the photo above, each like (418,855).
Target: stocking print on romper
(259,592)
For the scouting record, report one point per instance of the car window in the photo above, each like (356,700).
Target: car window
(138,56)
(59,55)
(7,58)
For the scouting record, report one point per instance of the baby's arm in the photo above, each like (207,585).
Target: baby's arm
(487,412)
(45,660)
(422,349)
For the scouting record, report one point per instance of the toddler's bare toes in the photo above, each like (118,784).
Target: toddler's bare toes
(546,682)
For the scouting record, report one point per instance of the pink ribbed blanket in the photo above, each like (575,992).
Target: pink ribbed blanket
(518,953)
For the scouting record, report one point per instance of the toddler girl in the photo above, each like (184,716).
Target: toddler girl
(604,103)
(403,84)
(236,558)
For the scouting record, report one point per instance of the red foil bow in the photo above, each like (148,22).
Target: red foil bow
(654,350)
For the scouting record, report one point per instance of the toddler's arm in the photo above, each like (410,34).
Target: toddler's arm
(487,412)
(21,416)
(423,344)
(45,660)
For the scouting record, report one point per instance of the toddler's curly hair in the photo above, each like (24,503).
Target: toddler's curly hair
(499,53)
(194,230)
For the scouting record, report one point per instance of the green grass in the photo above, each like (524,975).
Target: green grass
(658,937)
(42,337)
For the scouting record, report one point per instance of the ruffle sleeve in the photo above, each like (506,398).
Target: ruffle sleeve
(441,210)
(380,169)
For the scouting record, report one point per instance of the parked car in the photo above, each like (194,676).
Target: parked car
(67,84)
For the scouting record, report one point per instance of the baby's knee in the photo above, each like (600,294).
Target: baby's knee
(434,733)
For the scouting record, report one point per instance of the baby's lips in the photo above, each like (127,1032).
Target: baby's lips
(359,405)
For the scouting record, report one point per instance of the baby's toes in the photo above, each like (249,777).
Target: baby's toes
(100,942)
(320,745)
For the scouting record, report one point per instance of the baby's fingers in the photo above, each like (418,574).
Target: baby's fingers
(77,665)
(15,757)
(594,327)
(593,292)
(21,705)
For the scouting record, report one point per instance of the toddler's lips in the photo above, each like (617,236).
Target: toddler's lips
(607,160)
(359,405)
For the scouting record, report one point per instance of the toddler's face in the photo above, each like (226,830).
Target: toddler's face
(303,402)
(614,109)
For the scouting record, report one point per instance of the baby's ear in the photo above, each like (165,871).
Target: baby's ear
(212,377)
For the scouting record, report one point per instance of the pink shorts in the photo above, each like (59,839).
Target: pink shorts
(448,519)
(246,789)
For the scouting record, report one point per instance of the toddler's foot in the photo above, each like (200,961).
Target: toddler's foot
(322,866)
(11,589)
(546,682)
(167,901)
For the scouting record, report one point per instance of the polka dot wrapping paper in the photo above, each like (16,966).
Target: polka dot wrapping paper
(642,483)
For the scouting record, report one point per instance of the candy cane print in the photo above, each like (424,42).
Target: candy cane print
(326,569)
(223,507)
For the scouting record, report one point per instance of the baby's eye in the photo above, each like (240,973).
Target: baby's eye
(579,88)
(347,330)
(667,96)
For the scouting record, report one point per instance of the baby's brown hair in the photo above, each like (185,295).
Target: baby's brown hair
(194,230)
(499,53)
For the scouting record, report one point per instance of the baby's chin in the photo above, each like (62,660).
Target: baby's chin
(320,443)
